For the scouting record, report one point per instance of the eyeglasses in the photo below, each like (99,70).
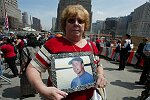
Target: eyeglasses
(72,21)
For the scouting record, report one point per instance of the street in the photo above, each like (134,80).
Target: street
(120,86)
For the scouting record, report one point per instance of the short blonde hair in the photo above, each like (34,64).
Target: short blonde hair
(75,10)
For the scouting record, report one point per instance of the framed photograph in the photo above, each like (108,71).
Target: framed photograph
(72,72)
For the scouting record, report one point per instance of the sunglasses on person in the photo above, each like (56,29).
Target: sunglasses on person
(73,20)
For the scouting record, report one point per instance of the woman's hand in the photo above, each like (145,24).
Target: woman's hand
(101,81)
(52,93)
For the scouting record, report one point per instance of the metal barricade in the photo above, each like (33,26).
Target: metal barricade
(2,69)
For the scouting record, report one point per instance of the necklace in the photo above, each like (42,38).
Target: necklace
(74,44)
(76,49)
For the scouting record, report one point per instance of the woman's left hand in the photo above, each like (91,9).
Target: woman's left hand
(101,81)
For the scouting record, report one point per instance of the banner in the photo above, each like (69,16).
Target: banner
(6,22)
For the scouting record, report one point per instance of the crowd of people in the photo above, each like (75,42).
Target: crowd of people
(123,48)
(20,49)
(35,50)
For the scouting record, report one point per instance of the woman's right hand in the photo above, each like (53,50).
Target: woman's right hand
(52,93)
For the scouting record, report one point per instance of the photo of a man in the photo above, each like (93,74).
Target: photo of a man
(83,77)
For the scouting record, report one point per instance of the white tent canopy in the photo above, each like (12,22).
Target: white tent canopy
(28,29)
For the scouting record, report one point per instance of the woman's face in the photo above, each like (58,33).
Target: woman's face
(74,27)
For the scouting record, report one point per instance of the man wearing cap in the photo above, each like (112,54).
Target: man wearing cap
(83,77)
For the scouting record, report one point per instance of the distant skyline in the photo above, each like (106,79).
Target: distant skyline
(45,10)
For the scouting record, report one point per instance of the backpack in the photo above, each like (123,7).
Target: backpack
(128,47)
(117,49)
(29,58)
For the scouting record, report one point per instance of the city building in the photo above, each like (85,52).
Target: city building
(25,19)
(53,24)
(63,3)
(98,27)
(13,12)
(122,25)
(140,25)
(93,28)
(110,25)
(36,24)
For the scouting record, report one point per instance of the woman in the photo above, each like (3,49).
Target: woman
(10,55)
(27,54)
(74,22)
(117,50)
(20,45)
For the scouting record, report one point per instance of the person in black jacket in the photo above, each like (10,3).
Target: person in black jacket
(139,53)
(146,66)
(124,51)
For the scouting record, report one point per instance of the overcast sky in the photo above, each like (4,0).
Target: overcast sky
(46,9)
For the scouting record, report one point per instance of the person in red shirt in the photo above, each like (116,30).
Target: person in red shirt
(98,43)
(74,22)
(10,55)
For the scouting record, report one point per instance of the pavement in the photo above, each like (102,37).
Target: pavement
(12,91)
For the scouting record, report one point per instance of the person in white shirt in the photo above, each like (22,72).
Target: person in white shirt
(124,51)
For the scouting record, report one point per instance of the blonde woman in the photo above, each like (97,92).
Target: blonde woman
(74,22)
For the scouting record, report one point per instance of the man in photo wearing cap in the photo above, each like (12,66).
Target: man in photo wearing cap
(83,77)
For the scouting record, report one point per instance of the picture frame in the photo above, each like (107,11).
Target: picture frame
(63,75)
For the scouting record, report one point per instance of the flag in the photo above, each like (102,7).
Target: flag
(6,22)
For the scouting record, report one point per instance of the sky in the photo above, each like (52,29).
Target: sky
(45,10)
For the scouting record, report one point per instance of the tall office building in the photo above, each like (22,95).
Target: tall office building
(111,24)
(97,27)
(36,24)
(63,3)
(140,25)
(53,24)
(25,19)
(13,12)
(122,25)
